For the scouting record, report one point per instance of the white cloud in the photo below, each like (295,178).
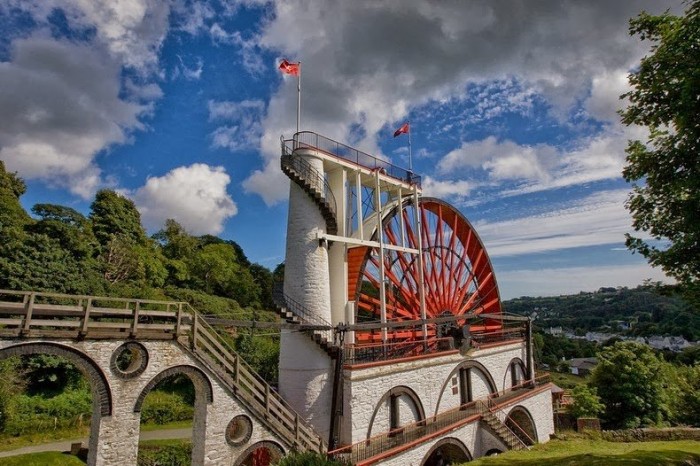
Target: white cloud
(242,130)
(195,196)
(571,280)
(369,63)
(597,219)
(442,189)
(59,107)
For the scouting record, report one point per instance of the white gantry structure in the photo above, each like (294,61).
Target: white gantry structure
(402,354)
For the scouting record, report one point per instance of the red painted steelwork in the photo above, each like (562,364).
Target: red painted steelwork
(457,274)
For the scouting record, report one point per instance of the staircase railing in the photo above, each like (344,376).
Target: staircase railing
(322,327)
(208,345)
(315,179)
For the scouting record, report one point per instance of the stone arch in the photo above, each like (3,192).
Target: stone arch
(102,403)
(520,421)
(493,452)
(455,374)
(515,364)
(198,378)
(204,395)
(101,393)
(262,453)
(395,394)
(448,450)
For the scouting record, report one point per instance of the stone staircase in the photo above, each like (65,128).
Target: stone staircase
(313,183)
(502,431)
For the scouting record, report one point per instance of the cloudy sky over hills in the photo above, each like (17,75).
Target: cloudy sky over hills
(179,105)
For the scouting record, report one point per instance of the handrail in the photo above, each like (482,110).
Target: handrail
(252,387)
(495,408)
(316,141)
(323,327)
(311,175)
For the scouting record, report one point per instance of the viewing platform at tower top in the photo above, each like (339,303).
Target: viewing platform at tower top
(311,140)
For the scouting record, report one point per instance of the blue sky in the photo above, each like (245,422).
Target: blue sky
(179,106)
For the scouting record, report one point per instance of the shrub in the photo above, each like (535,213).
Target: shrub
(38,413)
(172,453)
(161,407)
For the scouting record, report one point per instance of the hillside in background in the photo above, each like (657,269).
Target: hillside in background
(647,310)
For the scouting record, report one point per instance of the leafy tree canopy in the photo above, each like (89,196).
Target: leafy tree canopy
(665,171)
(629,380)
(113,216)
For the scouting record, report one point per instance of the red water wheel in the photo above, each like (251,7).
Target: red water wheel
(457,276)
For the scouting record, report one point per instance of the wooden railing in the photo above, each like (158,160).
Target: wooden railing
(211,348)
(51,315)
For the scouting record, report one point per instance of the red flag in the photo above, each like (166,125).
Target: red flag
(288,67)
(404,129)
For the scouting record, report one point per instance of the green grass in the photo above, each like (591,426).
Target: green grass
(580,452)
(567,380)
(42,459)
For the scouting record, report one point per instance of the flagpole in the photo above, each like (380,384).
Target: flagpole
(299,97)
(410,164)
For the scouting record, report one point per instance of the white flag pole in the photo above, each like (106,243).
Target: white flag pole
(299,97)
(410,164)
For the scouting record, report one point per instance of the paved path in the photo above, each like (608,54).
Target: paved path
(64,445)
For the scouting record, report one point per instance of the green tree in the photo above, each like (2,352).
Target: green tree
(113,216)
(586,402)
(629,381)
(665,98)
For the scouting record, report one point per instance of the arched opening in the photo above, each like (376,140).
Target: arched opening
(521,423)
(177,395)
(65,396)
(446,452)
(468,382)
(515,374)
(397,407)
(493,452)
(263,453)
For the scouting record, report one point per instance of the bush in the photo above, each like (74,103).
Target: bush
(161,407)
(170,453)
(72,408)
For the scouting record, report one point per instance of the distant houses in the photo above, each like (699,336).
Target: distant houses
(673,343)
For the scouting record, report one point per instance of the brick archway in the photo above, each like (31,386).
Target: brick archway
(520,421)
(262,453)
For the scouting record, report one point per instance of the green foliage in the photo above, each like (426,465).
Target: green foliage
(170,453)
(586,402)
(685,395)
(47,374)
(262,354)
(629,380)
(38,413)
(161,407)
(650,309)
(11,384)
(307,458)
(666,169)
(113,215)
